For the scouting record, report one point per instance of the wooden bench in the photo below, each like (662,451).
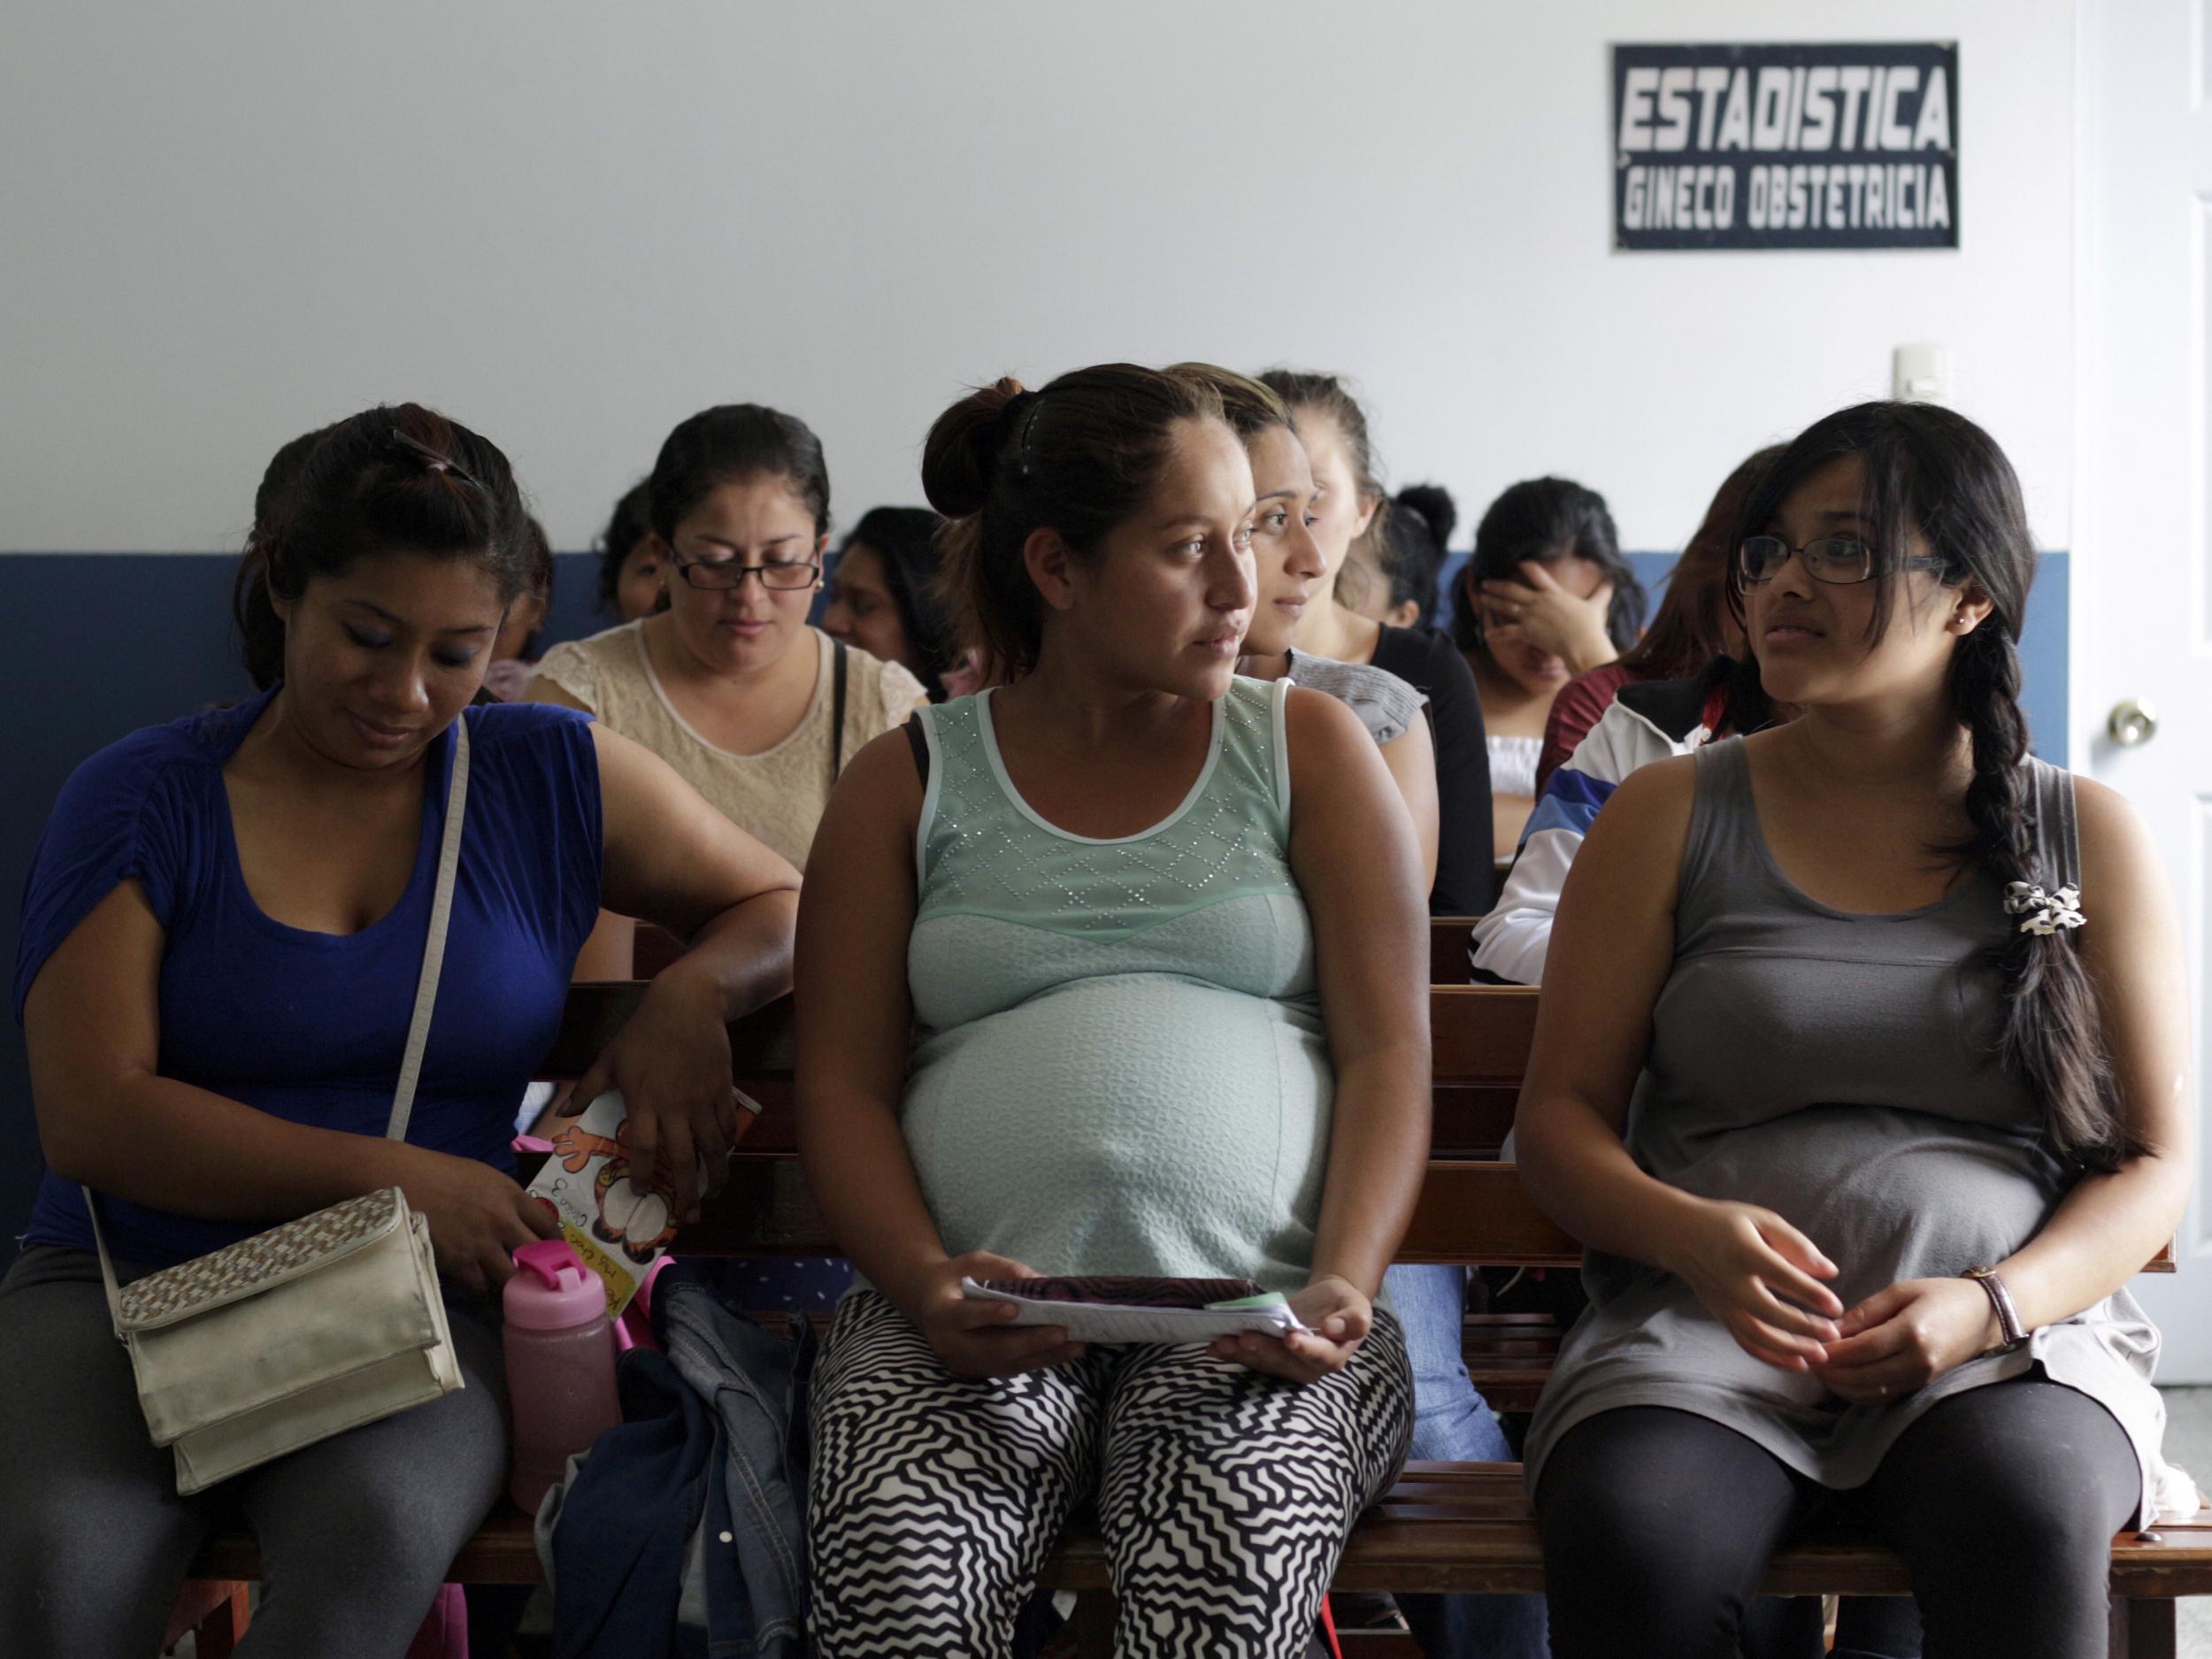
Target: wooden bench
(1451,939)
(1445,1527)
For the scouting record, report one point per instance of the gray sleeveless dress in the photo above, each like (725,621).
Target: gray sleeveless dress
(1839,1069)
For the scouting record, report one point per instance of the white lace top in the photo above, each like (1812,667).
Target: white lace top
(1513,764)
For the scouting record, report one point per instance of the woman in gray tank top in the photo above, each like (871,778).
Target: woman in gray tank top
(1825,1042)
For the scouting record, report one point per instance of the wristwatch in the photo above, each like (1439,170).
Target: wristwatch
(2001,1299)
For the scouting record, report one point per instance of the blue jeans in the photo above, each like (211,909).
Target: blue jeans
(1452,1424)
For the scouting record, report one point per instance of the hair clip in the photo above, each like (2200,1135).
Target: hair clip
(429,457)
(1023,469)
(2044,913)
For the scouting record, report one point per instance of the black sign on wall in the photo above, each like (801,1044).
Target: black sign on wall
(1790,146)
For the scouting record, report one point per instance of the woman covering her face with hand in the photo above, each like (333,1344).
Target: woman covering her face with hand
(223,933)
(1064,969)
(1668,695)
(1546,596)
(1898,1011)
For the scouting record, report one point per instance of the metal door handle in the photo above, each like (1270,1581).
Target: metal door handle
(2132,724)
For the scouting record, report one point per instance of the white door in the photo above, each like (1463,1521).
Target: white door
(2142,564)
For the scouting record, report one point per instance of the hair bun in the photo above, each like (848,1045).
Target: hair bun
(1439,511)
(960,458)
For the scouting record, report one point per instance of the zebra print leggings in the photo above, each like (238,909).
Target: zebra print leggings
(1223,1495)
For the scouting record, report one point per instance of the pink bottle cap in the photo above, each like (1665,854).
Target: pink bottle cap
(551,1289)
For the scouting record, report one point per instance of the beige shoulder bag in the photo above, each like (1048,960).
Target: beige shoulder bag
(312,1328)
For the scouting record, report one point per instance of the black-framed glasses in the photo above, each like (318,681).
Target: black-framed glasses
(723,573)
(1840,559)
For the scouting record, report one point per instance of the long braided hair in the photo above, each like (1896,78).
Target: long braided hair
(1930,469)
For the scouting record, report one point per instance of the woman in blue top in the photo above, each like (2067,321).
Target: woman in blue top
(1062,1013)
(221,937)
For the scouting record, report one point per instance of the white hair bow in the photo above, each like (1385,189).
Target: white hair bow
(2042,912)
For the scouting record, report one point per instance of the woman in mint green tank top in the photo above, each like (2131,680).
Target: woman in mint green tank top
(1061,994)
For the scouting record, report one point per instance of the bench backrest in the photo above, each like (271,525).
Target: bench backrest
(1472,1209)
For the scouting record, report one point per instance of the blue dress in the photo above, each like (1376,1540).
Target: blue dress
(309,1027)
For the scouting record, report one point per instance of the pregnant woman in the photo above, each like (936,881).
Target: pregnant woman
(1864,1072)
(1064,971)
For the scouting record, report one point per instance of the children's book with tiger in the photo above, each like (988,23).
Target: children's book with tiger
(619,1228)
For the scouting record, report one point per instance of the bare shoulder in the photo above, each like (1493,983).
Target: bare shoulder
(1656,793)
(2103,812)
(883,774)
(1333,761)
(2117,850)
(1315,719)
(1641,833)
(878,800)
(620,756)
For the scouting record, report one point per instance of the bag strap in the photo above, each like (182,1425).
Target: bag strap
(433,948)
(837,712)
(918,741)
(426,997)
(107,1264)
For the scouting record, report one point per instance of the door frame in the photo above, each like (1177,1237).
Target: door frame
(2141,411)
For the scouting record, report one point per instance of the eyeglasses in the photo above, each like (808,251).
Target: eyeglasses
(721,574)
(1840,559)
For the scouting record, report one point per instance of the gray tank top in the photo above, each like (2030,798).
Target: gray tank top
(1840,1070)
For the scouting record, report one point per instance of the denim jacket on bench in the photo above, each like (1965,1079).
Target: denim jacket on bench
(684,1533)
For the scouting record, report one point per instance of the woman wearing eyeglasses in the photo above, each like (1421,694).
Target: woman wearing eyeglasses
(1900,1012)
(757,710)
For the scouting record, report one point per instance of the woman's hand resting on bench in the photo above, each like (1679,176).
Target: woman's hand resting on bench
(1339,1319)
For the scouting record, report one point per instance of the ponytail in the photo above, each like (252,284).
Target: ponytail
(2050,1031)
(1078,456)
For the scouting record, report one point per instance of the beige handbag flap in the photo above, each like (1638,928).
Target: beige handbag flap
(253,1265)
(253,1352)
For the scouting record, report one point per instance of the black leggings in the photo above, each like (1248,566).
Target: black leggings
(1658,1525)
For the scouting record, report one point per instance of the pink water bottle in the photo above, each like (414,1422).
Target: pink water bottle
(560,1365)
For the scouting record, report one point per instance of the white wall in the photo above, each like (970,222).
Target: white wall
(571,224)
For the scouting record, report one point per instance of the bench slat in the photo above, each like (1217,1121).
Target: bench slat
(1470,1214)
(1457,1527)
(1481,1032)
(1477,1082)
(1449,939)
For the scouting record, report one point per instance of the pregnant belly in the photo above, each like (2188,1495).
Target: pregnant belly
(1127,1124)
(1888,1195)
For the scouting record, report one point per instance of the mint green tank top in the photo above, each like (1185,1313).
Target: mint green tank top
(1120,1065)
